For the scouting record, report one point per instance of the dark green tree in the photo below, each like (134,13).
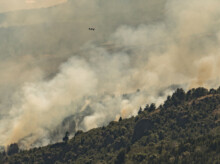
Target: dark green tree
(13,149)
(152,107)
(66,137)
(140,111)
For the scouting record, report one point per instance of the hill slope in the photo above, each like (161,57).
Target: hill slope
(186,129)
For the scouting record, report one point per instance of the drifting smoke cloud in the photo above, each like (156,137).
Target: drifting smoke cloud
(13,5)
(180,49)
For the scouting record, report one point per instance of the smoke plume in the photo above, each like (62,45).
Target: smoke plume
(70,78)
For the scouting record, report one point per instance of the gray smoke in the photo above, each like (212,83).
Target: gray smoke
(13,5)
(71,78)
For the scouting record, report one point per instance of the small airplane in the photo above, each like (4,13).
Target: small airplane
(92,29)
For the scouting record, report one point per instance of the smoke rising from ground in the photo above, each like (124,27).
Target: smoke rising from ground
(176,44)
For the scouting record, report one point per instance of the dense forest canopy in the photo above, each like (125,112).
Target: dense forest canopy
(185,129)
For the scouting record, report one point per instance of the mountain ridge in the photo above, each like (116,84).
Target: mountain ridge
(186,128)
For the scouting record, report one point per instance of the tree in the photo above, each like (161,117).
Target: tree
(199,92)
(178,97)
(212,91)
(140,110)
(196,93)
(13,149)
(146,107)
(66,137)
(152,107)
(168,102)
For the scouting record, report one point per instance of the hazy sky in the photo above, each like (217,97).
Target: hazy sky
(11,5)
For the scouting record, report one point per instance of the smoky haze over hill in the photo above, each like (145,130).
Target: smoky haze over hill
(54,69)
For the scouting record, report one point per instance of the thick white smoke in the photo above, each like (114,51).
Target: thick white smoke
(181,49)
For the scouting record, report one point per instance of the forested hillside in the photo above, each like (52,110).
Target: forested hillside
(185,129)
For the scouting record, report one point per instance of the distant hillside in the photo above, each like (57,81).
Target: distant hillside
(185,129)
